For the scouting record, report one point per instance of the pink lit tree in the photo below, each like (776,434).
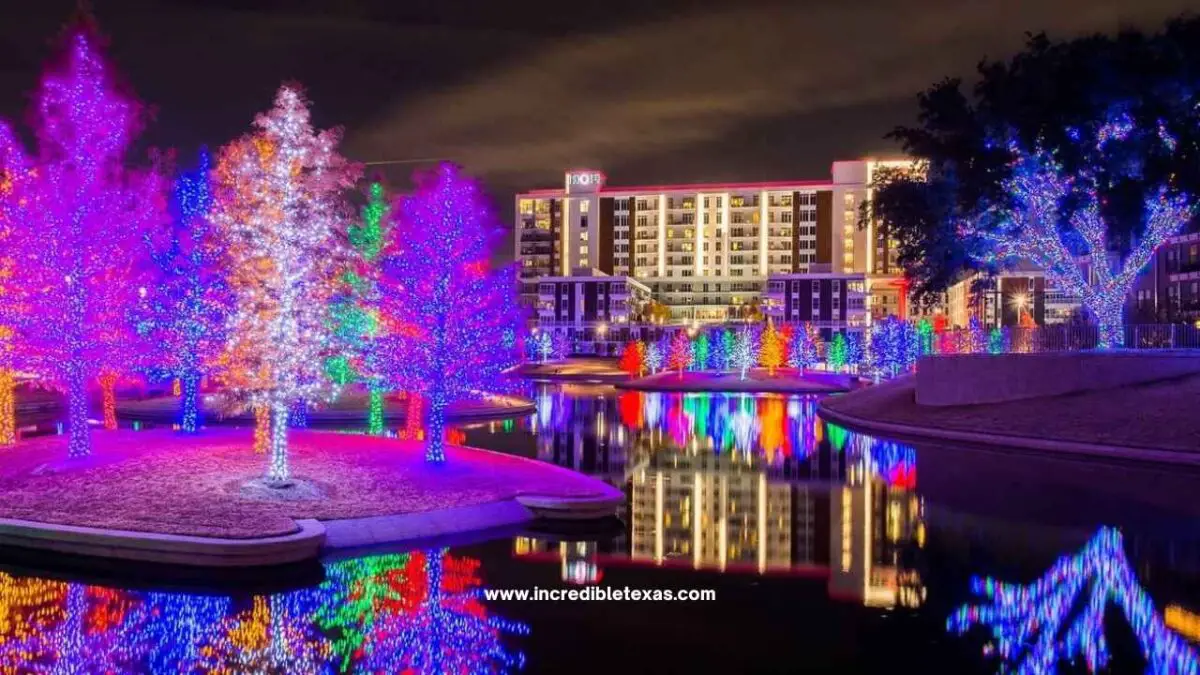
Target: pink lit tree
(280,205)
(451,320)
(680,354)
(77,216)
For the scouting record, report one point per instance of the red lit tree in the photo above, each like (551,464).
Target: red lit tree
(680,354)
(77,215)
(633,359)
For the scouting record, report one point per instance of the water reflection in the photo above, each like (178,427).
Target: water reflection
(418,612)
(739,483)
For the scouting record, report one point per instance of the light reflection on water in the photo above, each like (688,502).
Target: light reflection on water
(743,486)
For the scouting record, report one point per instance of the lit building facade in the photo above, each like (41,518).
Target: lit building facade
(704,250)
(827,299)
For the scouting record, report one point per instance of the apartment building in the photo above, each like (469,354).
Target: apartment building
(828,299)
(705,249)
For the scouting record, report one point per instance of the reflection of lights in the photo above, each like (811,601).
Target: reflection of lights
(1029,624)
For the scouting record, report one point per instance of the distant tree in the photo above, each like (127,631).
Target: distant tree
(721,346)
(744,353)
(633,358)
(806,348)
(772,349)
(680,354)
(654,356)
(836,360)
(700,352)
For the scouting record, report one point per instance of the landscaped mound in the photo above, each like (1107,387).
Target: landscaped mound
(158,481)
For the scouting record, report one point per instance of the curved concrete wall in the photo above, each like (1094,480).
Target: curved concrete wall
(967,379)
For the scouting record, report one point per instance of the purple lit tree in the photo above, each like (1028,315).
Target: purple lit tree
(78,215)
(189,306)
(451,320)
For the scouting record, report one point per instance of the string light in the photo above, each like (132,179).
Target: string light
(108,391)
(806,348)
(772,351)
(77,214)
(744,353)
(188,310)
(1031,230)
(633,358)
(446,311)
(654,357)
(700,352)
(721,346)
(8,407)
(1029,623)
(680,354)
(836,358)
(279,204)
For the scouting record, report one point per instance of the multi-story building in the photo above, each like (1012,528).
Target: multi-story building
(703,249)
(596,312)
(827,299)
(1009,298)
(1169,289)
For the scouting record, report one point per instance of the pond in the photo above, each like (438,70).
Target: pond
(827,551)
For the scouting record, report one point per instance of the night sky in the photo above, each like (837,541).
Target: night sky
(661,91)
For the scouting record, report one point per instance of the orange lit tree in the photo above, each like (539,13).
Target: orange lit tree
(772,351)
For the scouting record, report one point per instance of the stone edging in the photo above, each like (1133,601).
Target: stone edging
(906,431)
(166,548)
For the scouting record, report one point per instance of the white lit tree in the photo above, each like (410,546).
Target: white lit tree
(281,205)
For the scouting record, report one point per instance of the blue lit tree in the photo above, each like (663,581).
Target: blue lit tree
(187,310)
(446,310)
(1055,220)
(721,346)
(1039,625)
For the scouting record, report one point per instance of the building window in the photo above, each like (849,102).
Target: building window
(583,205)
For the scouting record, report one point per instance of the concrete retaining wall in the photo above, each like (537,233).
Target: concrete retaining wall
(967,379)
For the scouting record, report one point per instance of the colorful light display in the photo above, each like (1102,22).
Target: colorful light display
(806,348)
(772,350)
(189,305)
(836,359)
(633,358)
(77,215)
(744,354)
(1031,227)
(654,357)
(356,308)
(700,352)
(446,310)
(721,346)
(280,206)
(1037,626)
(680,354)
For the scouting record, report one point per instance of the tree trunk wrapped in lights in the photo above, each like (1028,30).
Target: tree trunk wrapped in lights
(280,205)
(451,320)
(77,215)
(1073,245)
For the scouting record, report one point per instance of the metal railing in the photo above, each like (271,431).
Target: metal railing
(1065,337)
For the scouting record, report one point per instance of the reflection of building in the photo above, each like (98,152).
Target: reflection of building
(705,249)
(834,300)
(872,523)
(592,310)
(716,511)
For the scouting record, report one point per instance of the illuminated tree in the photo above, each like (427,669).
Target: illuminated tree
(773,351)
(996,342)
(633,358)
(1037,626)
(836,358)
(1073,245)
(855,351)
(654,357)
(700,352)
(743,356)
(189,305)
(806,348)
(452,319)
(722,349)
(280,205)
(76,216)
(356,309)
(680,354)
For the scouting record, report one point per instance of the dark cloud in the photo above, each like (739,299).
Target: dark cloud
(670,90)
